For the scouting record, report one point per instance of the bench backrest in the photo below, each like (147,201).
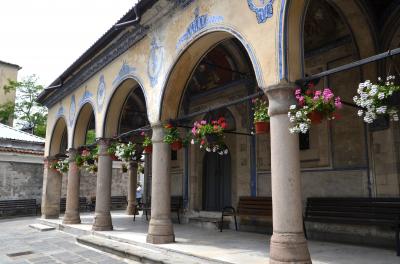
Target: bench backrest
(261,206)
(18,203)
(362,209)
(118,200)
(176,202)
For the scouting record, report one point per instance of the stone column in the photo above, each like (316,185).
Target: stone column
(288,244)
(52,181)
(160,226)
(132,185)
(72,207)
(102,217)
(146,178)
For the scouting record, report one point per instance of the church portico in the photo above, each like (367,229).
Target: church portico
(189,62)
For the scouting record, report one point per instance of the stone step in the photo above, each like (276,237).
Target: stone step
(143,254)
(41,227)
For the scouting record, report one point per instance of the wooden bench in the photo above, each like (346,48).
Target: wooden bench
(83,204)
(248,206)
(117,202)
(16,207)
(383,212)
(176,206)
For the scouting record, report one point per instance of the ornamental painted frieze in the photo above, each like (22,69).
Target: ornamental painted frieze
(86,98)
(262,8)
(101,93)
(125,70)
(199,23)
(154,65)
(60,112)
(72,110)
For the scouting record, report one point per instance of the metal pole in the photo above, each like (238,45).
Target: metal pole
(351,65)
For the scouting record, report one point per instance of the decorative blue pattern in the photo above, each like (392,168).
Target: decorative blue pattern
(86,98)
(196,25)
(101,93)
(263,9)
(72,110)
(184,3)
(125,70)
(60,112)
(282,40)
(154,65)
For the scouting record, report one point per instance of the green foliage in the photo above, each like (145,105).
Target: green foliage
(26,110)
(90,137)
(6,112)
(260,110)
(171,134)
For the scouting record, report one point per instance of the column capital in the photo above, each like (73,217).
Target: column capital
(280,97)
(158,132)
(104,141)
(72,152)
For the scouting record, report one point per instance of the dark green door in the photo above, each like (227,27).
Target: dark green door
(216,181)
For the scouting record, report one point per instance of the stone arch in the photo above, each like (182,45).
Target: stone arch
(59,137)
(292,27)
(81,124)
(187,60)
(116,102)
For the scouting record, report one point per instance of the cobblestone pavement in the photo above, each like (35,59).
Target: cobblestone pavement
(22,244)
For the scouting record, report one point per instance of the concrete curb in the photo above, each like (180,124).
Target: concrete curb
(137,251)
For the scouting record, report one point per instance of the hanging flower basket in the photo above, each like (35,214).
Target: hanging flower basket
(261,117)
(147,144)
(311,108)
(177,145)
(377,100)
(261,127)
(315,117)
(210,135)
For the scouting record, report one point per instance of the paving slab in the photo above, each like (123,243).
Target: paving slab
(42,227)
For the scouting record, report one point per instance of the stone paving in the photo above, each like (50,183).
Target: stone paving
(26,245)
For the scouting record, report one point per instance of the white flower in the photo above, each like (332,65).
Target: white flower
(226,151)
(208,149)
(292,119)
(292,107)
(192,141)
(381,110)
(381,96)
(298,114)
(373,90)
(360,112)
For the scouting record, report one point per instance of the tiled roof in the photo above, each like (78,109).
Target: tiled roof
(11,64)
(21,151)
(7,132)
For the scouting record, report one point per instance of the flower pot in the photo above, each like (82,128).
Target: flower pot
(176,145)
(212,138)
(316,117)
(148,149)
(261,127)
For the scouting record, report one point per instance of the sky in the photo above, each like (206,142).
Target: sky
(44,37)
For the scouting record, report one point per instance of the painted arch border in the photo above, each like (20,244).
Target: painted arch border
(209,30)
(113,90)
(57,118)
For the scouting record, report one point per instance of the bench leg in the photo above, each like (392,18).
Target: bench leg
(147,218)
(304,229)
(222,222)
(234,216)
(397,241)
(179,220)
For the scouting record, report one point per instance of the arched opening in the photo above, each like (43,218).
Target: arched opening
(84,130)
(59,138)
(212,72)
(127,112)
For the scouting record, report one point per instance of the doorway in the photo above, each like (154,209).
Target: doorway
(216,181)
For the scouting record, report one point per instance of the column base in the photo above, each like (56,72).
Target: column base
(130,209)
(50,216)
(102,222)
(160,231)
(289,248)
(71,218)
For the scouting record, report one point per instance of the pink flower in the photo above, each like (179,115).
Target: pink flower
(297,92)
(301,100)
(317,94)
(338,102)
(142,134)
(203,122)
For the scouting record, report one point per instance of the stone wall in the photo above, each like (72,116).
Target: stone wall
(88,184)
(20,180)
